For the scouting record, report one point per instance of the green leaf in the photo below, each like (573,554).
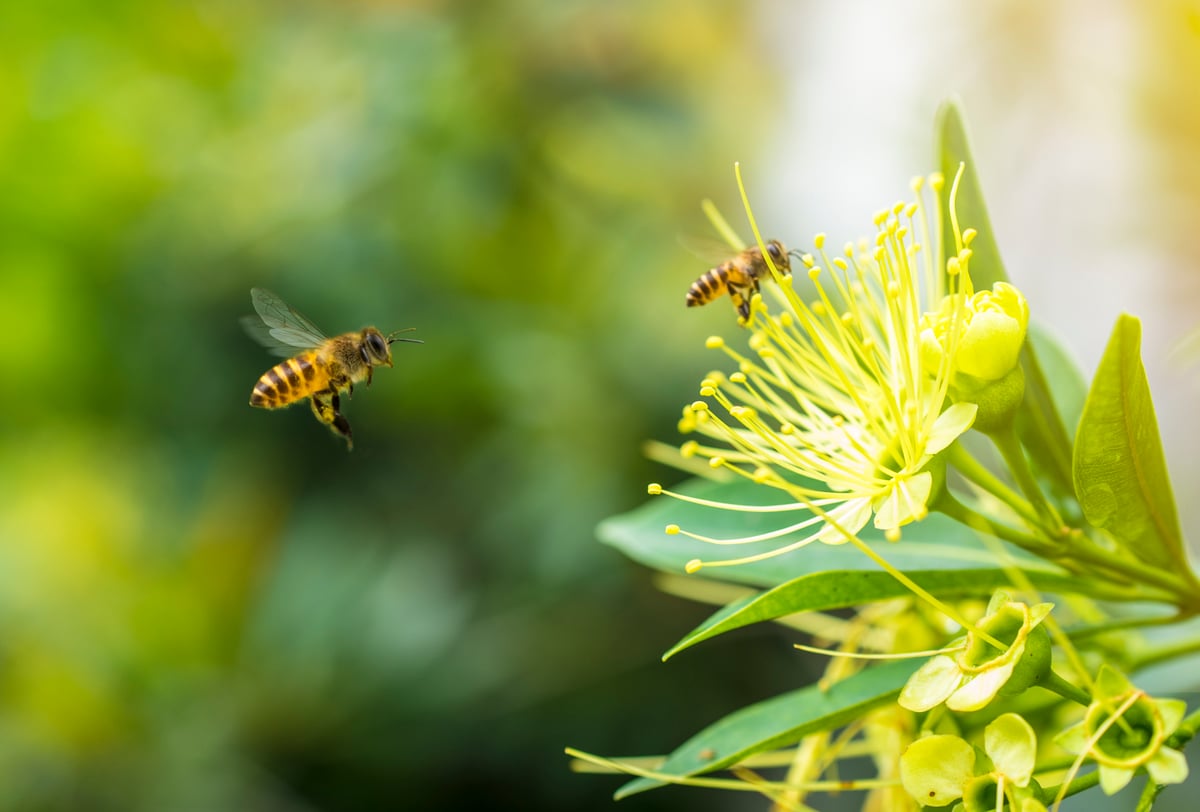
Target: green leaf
(781,721)
(1038,422)
(837,589)
(1120,472)
(934,543)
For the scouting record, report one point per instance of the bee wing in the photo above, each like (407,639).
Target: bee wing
(281,329)
(711,251)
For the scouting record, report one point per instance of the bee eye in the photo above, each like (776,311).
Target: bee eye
(377,345)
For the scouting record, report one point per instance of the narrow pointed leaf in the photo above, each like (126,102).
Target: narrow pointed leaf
(935,543)
(781,721)
(824,591)
(1120,471)
(1038,421)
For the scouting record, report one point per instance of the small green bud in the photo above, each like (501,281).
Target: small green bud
(997,400)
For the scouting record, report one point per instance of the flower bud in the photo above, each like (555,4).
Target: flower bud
(989,345)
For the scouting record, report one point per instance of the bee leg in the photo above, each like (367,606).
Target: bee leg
(370,369)
(325,406)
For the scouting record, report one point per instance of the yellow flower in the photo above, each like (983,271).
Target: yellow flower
(837,406)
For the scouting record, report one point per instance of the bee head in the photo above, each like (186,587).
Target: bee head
(779,255)
(374,348)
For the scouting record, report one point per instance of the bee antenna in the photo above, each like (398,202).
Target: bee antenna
(392,337)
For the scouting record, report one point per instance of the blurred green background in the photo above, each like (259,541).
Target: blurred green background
(205,606)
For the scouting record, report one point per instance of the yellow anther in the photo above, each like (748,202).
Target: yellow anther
(714,342)
(892,535)
(807,260)
(716,462)
(785,319)
(744,369)
(738,411)
(969,235)
(916,184)
(966,254)
(910,210)
(672,530)
(686,425)
(699,406)
(819,241)
(898,206)
(880,217)
(880,239)
(738,377)
(787,428)
(952,266)
(937,181)
(893,289)
(710,380)
(693,566)
(879,255)
(689,448)
(818,308)
(707,391)
(654,489)
(847,318)
(761,475)
(902,232)
(814,272)
(757,341)
(840,263)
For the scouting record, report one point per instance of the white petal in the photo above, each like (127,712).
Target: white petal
(932,683)
(906,501)
(851,516)
(950,425)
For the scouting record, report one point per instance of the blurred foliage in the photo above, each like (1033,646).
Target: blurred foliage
(210,607)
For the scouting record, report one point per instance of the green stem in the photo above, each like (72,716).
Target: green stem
(946,503)
(1083,549)
(1186,730)
(1067,690)
(1018,465)
(975,471)
(1163,653)
(1086,632)
(1149,795)
(1076,786)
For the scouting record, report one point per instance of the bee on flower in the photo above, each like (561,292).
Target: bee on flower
(845,399)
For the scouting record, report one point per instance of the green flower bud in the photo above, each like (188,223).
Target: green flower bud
(1138,740)
(997,400)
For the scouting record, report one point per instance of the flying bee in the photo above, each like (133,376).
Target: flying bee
(323,370)
(739,276)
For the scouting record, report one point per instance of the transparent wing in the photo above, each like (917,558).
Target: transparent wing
(281,329)
(711,251)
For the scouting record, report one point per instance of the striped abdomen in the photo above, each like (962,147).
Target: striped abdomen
(709,286)
(290,381)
